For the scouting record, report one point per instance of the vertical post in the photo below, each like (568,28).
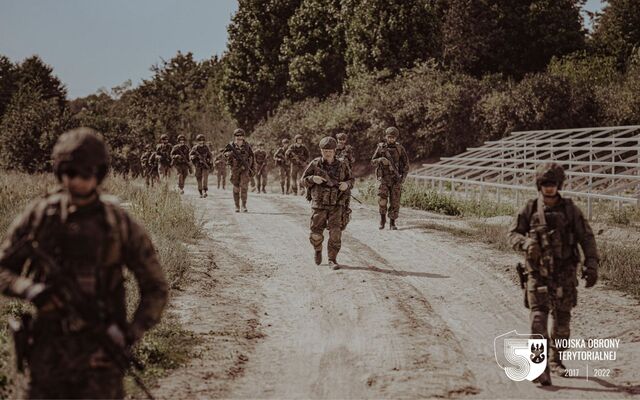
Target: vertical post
(589,198)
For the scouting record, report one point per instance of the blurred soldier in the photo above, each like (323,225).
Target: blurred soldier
(328,182)
(392,168)
(549,230)
(163,155)
(220,164)
(202,159)
(240,157)
(344,151)
(133,159)
(180,161)
(66,255)
(283,164)
(261,167)
(149,161)
(297,154)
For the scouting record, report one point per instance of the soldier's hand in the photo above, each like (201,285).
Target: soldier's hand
(590,275)
(343,186)
(318,179)
(532,248)
(385,161)
(116,335)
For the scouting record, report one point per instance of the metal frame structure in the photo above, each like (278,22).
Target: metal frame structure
(600,163)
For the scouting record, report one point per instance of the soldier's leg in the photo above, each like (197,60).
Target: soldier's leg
(383,202)
(561,321)
(334,224)
(199,179)
(244,189)
(264,180)
(205,181)
(538,297)
(394,204)
(259,181)
(282,179)
(218,180)
(294,179)
(317,227)
(288,180)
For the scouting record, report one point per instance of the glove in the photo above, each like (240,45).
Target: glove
(317,179)
(532,248)
(343,186)
(590,275)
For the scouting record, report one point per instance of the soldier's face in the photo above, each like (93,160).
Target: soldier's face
(239,140)
(299,141)
(342,143)
(549,189)
(328,154)
(391,139)
(79,185)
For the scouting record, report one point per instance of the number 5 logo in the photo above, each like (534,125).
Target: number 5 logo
(520,356)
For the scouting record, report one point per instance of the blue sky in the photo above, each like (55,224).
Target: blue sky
(95,43)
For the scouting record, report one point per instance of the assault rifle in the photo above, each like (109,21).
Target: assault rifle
(540,232)
(392,165)
(199,158)
(231,148)
(332,182)
(64,286)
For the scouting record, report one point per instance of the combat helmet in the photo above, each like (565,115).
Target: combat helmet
(285,141)
(391,131)
(550,172)
(239,132)
(200,138)
(328,143)
(82,149)
(164,137)
(341,136)
(181,137)
(298,136)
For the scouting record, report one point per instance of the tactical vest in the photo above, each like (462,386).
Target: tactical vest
(261,156)
(560,221)
(393,154)
(323,195)
(180,154)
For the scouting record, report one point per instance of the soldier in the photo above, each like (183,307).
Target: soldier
(392,168)
(163,156)
(149,163)
(328,181)
(240,158)
(65,254)
(261,167)
(180,161)
(133,159)
(220,164)
(284,165)
(202,158)
(297,154)
(552,258)
(344,151)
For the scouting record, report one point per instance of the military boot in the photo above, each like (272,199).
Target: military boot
(205,194)
(383,220)
(318,257)
(200,191)
(244,207)
(555,363)
(282,187)
(392,225)
(236,200)
(334,264)
(544,379)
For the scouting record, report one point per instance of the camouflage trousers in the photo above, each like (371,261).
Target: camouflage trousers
(183,171)
(240,181)
(261,177)
(164,170)
(202,177)
(330,219)
(151,177)
(556,297)
(296,174)
(285,178)
(389,193)
(222,177)
(71,366)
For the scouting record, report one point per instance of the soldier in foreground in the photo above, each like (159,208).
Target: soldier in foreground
(283,164)
(549,230)
(220,164)
(240,157)
(392,168)
(297,154)
(202,159)
(66,255)
(163,156)
(328,182)
(261,167)
(180,161)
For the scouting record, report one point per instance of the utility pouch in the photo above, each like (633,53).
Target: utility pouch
(22,338)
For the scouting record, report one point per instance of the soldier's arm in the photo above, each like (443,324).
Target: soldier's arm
(349,176)
(519,228)
(404,161)
(586,239)
(141,258)
(305,153)
(377,156)
(307,175)
(350,155)
(287,152)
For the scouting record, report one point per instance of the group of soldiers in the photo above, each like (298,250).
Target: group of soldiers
(67,252)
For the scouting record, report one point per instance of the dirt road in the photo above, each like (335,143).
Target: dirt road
(411,313)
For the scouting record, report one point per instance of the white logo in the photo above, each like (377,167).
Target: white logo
(520,356)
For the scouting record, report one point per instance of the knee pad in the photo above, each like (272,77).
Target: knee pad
(316,238)
(382,202)
(236,190)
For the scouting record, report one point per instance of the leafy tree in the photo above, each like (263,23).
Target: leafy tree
(8,82)
(38,75)
(617,29)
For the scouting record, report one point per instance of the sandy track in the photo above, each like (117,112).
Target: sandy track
(413,313)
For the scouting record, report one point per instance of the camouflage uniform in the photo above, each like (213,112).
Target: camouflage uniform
(202,158)
(390,187)
(283,164)
(163,156)
(327,202)
(149,161)
(133,160)
(240,175)
(180,161)
(345,154)
(555,293)
(55,246)
(220,164)
(297,154)
(261,168)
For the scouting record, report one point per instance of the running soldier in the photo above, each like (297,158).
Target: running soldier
(392,168)
(240,157)
(344,151)
(149,161)
(202,159)
(180,161)
(163,154)
(133,160)
(549,230)
(66,255)
(261,167)
(283,164)
(297,154)
(220,164)
(328,182)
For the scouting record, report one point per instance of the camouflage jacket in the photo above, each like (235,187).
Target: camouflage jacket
(345,154)
(163,153)
(397,156)
(280,157)
(201,156)
(325,196)
(261,159)
(297,154)
(220,162)
(246,157)
(180,154)
(568,226)
(89,246)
